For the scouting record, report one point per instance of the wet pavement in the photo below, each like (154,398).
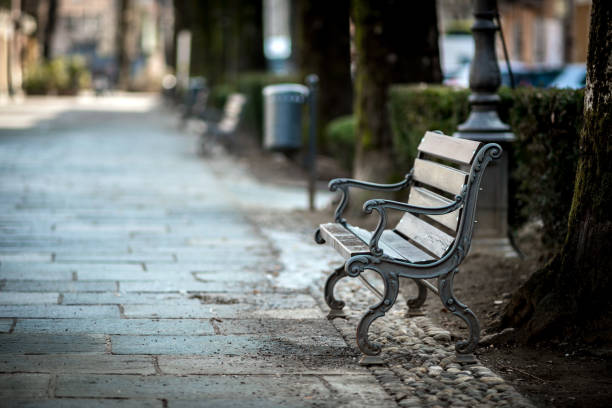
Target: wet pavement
(133,274)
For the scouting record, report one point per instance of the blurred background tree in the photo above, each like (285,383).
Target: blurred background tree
(323,47)
(227,36)
(395,41)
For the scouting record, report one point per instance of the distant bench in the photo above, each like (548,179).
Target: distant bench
(222,132)
(430,241)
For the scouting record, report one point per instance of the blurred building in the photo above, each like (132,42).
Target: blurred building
(90,28)
(16,28)
(551,32)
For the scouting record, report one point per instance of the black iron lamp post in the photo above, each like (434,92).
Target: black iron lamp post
(484,124)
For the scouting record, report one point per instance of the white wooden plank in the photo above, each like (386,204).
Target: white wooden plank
(450,148)
(426,235)
(395,245)
(424,198)
(342,240)
(439,176)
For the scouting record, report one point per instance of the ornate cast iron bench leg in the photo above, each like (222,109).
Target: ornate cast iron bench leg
(372,350)
(414,304)
(464,348)
(334,304)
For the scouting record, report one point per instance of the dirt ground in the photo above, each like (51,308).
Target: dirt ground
(551,374)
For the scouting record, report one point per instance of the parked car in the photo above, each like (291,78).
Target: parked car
(573,76)
(524,75)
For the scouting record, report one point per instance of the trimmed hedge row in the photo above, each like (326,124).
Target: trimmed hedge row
(542,160)
(63,76)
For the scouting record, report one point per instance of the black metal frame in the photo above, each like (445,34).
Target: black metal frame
(391,269)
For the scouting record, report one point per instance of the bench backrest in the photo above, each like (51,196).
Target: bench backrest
(232,112)
(440,171)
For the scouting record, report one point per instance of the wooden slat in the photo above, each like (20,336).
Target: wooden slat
(439,176)
(424,198)
(426,235)
(450,148)
(342,240)
(395,245)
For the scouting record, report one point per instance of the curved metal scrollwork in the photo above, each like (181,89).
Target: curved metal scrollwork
(357,264)
(445,287)
(318,238)
(391,281)
(414,304)
(343,185)
(332,302)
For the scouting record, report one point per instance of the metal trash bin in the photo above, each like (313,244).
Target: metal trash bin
(283,116)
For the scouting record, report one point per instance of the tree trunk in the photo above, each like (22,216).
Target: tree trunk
(124,59)
(571,295)
(395,41)
(323,48)
(227,36)
(49,29)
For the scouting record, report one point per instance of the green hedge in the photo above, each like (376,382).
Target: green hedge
(416,109)
(65,76)
(542,160)
(547,125)
(340,137)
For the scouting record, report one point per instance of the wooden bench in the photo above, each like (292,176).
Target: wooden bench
(430,241)
(222,132)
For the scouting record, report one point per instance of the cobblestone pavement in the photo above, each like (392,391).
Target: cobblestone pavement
(135,274)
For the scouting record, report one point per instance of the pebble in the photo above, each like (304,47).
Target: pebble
(435,371)
(422,355)
(462,379)
(491,380)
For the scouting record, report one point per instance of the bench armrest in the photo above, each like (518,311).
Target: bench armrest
(381,207)
(343,185)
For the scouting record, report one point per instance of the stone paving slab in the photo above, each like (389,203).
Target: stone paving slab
(77,363)
(190,311)
(255,365)
(276,326)
(81,403)
(123,298)
(6,325)
(114,257)
(116,326)
(28,298)
(25,274)
(304,388)
(61,269)
(160,286)
(18,343)
(26,257)
(110,275)
(177,345)
(59,311)
(14,385)
(59,286)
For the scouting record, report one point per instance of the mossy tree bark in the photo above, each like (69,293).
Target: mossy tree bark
(226,36)
(395,41)
(323,47)
(571,295)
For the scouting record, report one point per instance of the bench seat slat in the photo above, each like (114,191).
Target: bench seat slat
(391,243)
(442,177)
(424,198)
(426,235)
(343,240)
(450,148)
